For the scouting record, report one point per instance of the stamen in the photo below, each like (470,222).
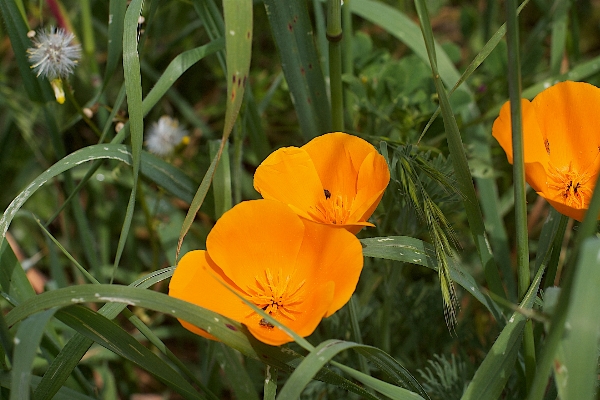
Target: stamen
(332,210)
(571,185)
(276,295)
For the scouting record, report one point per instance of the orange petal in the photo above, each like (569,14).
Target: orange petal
(314,308)
(289,175)
(336,255)
(199,281)
(373,178)
(561,207)
(533,139)
(567,115)
(536,176)
(337,157)
(255,235)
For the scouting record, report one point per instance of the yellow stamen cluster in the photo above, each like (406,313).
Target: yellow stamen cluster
(571,185)
(333,209)
(277,295)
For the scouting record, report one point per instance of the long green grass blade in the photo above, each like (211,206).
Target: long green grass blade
(459,159)
(415,251)
(110,335)
(583,322)
(492,375)
(238,46)
(64,393)
(133,80)
(159,171)
(68,358)
(292,31)
(236,373)
(229,332)
(27,341)
(116,24)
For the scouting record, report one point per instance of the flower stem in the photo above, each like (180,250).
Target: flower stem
(334,35)
(514,89)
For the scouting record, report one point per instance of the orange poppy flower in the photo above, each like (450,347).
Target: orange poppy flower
(335,179)
(296,270)
(561,144)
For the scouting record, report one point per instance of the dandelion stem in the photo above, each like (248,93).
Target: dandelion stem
(73,100)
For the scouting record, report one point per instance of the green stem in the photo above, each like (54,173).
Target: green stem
(514,89)
(557,327)
(348,59)
(334,35)
(270,387)
(356,335)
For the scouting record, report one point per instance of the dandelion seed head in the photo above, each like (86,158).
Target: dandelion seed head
(54,55)
(164,135)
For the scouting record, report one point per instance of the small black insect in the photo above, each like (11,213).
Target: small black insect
(265,323)
(327,193)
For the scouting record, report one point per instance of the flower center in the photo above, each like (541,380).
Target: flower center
(333,209)
(277,295)
(572,186)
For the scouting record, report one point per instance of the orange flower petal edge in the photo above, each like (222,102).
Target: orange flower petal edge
(335,179)
(310,271)
(561,144)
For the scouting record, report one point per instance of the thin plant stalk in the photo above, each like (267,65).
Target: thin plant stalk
(559,318)
(334,36)
(514,89)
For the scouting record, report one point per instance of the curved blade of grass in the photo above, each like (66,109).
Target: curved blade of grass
(27,341)
(235,373)
(174,180)
(68,358)
(459,159)
(229,332)
(292,31)
(475,63)
(37,89)
(496,368)
(583,320)
(238,47)
(111,336)
(320,356)
(116,21)
(415,251)
(133,88)
(64,393)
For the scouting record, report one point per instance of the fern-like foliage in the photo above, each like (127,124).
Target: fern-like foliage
(419,178)
(445,379)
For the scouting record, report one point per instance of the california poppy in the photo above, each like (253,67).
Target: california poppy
(295,270)
(561,144)
(336,179)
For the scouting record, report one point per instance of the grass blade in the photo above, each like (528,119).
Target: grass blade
(415,251)
(293,36)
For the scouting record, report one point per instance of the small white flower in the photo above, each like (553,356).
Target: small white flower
(53,54)
(164,135)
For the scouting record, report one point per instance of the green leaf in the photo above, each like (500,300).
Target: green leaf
(159,171)
(238,47)
(110,335)
(68,358)
(415,251)
(292,31)
(133,88)
(580,342)
(323,353)
(496,368)
(229,332)
(27,341)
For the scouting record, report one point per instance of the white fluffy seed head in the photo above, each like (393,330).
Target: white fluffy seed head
(164,135)
(53,54)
